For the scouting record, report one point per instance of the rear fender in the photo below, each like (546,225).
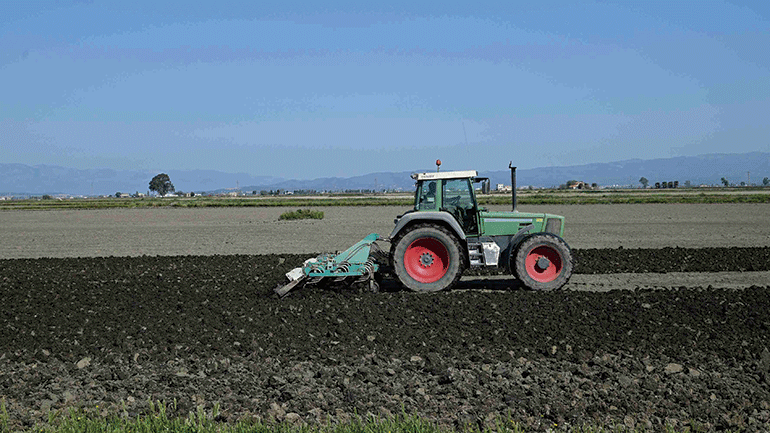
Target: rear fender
(439,217)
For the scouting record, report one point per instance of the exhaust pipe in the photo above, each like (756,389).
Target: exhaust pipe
(513,184)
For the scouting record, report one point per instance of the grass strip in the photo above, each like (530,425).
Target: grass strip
(552,198)
(156,421)
(301,214)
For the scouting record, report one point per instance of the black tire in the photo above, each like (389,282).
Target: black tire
(427,258)
(543,261)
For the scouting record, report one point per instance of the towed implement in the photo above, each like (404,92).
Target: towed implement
(356,263)
(446,233)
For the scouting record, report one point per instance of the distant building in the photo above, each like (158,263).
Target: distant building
(503,188)
(579,185)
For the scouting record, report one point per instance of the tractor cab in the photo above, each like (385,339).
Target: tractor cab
(450,192)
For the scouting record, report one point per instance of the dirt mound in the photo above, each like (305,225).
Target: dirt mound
(117,332)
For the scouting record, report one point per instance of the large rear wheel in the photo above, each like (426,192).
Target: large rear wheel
(427,258)
(543,261)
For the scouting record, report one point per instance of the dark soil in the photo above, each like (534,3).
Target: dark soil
(111,334)
(664,260)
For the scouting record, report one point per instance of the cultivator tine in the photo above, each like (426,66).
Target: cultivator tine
(282,291)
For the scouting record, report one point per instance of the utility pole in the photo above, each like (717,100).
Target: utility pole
(748,173)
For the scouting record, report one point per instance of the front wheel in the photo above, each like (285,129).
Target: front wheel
(543,261)
(427,258)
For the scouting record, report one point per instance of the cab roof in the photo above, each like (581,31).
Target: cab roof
(445,175)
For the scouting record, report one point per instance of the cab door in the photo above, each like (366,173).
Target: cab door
(458,199)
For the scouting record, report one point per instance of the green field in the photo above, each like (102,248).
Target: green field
(526,197)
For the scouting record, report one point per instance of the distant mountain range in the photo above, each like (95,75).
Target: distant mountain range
(20,179)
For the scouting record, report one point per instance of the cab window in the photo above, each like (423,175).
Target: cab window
(427,197)
(457,194)
(459,201)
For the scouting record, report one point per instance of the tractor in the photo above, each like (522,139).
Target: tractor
(445,233)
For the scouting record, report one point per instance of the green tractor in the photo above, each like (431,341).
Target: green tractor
(446,233)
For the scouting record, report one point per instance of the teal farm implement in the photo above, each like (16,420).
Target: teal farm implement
(354,263)
(445,233)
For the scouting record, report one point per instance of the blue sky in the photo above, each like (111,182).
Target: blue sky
(334,88)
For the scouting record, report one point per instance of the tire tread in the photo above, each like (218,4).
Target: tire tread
(406,280)
(519,258)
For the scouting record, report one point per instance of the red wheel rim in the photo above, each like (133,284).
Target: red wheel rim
(538,273)
(426,260)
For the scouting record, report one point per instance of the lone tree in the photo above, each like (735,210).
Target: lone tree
(161,184)
(766,181)
(643,180)
(725,182)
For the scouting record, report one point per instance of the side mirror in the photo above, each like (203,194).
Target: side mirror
(484,184)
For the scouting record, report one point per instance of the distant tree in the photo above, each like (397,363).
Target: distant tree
(687,184)
(161,184)
(117,194)
(743,183)
(47,197)
(643,180)
(725,182)
(766,181)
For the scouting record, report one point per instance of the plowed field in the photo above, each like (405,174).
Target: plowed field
(111,334)
(185,313)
